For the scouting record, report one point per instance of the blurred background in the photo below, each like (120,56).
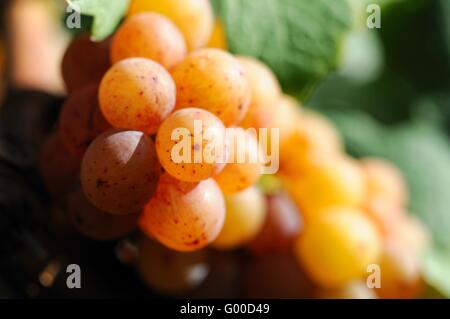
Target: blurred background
(387,90)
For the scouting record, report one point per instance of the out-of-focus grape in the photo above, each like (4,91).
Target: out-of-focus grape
(194,18)
(57,167)
(137,94)
(281,227)
(386,215)
(170,272)
(337,246)
(328,182)
(120,171)
(191,145)
(84,62)
(218,37)
(354,290)
(184,216)
(81,120)
(149,35)
(265,92)
(275,277)
(384,180)
(245,216)
(94,223)
(243,169)
(214,80)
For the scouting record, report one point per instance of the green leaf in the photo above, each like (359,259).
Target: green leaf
(298,39)
(422,152)
(107,14)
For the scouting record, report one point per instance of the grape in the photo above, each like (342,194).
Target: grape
(57,167)
(137,94)
(337,246)
(385,180)
(281,227)
(313,139)
(85,62)
(120,171)
(191,145)
(214,80)
(149,35)
(245,216)
(354,290)
(184,216)
(170,272)
(194,18)
(243,168)
(385,214)
(275,277)
(94,223)
(265,91)
(327,183)
(81,120)
(218,38)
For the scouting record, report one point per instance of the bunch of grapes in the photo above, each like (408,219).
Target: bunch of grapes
(133,99)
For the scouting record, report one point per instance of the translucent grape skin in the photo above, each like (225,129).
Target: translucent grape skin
(137,94)
(85,62)
(191,169)
(170,272)
(265,91)
(281,227)
(184,216)
(327,182)
(57,167)
(81,120)
(238,175)
(149,35)
(120,171)
(245,216)
(194,18)
(94,223)
(214,80)
(218,38)
(337,246)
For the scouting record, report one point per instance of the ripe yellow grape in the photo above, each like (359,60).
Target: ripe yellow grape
(214,80)
(313,138)
(194,18)
(329,182)
(265,91)
(337,246)
(137,94)
(94,223)
(120,171)
(243,168)
(246,212)
(189,155)
(170,272)
(149,35)
(81,120)
(184,216)
(218,37)
(385,180)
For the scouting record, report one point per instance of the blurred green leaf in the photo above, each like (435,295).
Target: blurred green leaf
(298,39)
(106,15)
(437,270)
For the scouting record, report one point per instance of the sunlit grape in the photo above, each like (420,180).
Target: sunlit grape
(218,38)
(194,18)
(84,62)
(149,35)
(245,216)
(170,272)
(81,120)
(120,171)
(191,145)
(337,246)
(184,216)
(214,80)
(137,94)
